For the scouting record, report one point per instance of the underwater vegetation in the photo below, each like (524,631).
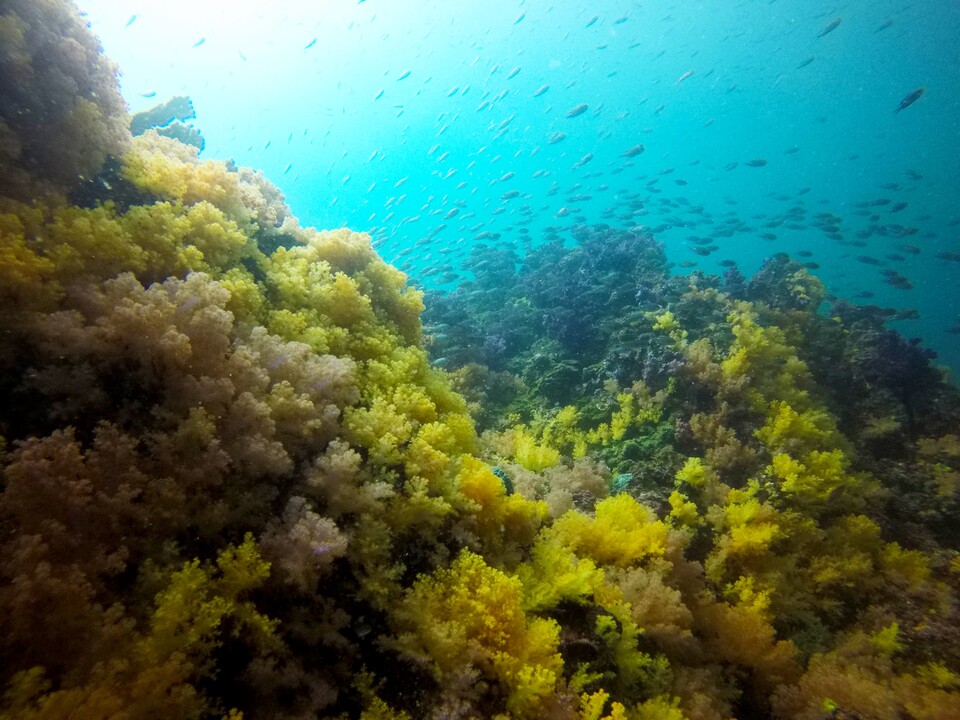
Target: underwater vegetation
(235,485)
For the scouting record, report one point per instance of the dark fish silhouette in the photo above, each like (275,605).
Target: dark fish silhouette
(910,99)
(830,27)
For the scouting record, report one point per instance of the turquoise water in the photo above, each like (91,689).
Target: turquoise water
(388,116)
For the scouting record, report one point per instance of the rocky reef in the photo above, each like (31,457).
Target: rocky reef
(234,484)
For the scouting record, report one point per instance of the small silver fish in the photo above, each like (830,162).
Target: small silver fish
(830,27)
(910,99)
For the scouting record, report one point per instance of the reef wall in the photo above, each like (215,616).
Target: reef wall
(234,485)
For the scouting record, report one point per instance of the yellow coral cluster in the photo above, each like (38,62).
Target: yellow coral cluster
(543,443)
(467,624)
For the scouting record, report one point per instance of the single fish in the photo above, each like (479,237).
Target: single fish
(199,42)
(910,99)
(310,44)
(756,162)
(130,22)
(577,111)
(633,152)
(884,25)
(683,77)
(404,75)
(519,19)
(541,90)
(583,161)
(592,21)
(830,27)
(514,73)
(148,94)
(806,62)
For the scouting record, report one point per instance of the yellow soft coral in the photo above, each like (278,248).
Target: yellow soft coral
(173,171)
(470,616)
(682,510)
(667,323)
(150,675)
(822,481)
(695,473)
(635,408)
(191,610)
(622,533)
(747,528)
(501,522)
(380,428)
(787,430)
(26,278)
(763,355)
(555,574)
(522,446)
